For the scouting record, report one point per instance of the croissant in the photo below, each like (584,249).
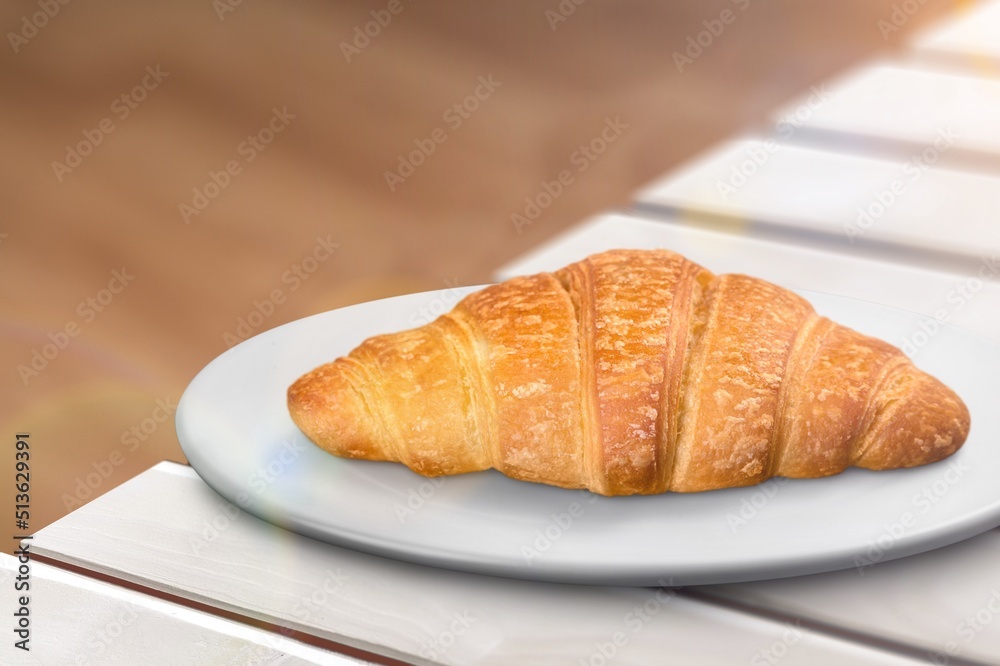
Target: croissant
(631,372)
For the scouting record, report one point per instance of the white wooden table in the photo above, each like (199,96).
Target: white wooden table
(162,570)
(969,41)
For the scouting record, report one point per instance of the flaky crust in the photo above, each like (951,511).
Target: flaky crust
(631,372)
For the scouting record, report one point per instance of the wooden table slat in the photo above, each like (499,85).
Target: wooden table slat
(946,601)
(843,203)
(971,40)
(930,116)
(81,621)
(169,531)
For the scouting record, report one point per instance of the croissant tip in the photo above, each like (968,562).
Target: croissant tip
(928,423)
(304,404)
(325,407)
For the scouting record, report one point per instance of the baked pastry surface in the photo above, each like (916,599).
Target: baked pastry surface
(631,372)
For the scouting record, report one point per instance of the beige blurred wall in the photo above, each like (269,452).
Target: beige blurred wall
(99,254)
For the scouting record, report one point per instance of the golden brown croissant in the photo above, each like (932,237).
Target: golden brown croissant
(631,372)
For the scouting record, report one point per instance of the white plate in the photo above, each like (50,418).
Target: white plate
(235,430)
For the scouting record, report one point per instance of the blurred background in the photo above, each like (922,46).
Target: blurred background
(179,176)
